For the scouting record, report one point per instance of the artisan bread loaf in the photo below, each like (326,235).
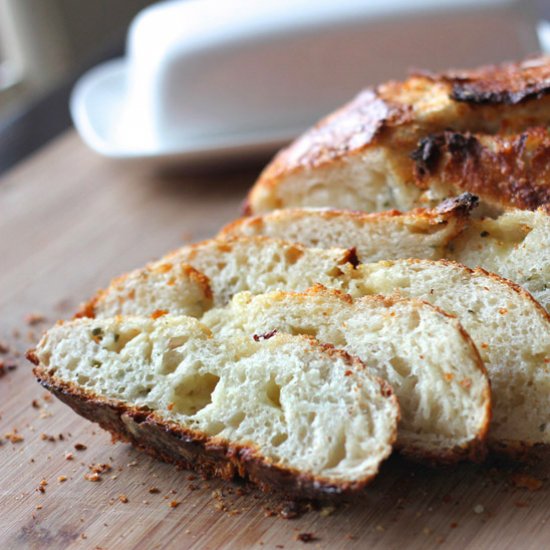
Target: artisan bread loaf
(509,328)
(230,266)
(413,143)
(516,245)
(424,354)
(286,412)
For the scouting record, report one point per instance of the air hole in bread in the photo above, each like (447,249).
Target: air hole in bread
(170,361)
(47,356)
(418,229)
(215,427)
(338,451)
(72,363)
(143,392)
(293,254)
(119,340)
(308,331)
(177,341)
(279,439)
(194,393)
(400,366)
(512,234)
(273,391)
(237,419)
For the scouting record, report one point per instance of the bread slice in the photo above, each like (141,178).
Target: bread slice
(426,356)
(229,266)
(420,233)
(510,329)
(413,143)
(153,290)
(515,245)
(285,412)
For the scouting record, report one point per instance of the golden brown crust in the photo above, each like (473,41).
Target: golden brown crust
(511,171)
(346,131)
(210,456)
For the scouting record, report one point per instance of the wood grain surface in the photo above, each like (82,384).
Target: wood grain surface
(69,221)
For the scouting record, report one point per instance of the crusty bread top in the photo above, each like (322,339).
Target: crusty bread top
(456,160)
(507,84)
(502,100)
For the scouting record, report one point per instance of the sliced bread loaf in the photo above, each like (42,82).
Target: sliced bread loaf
(500,325)
(510,329)
(285,412)
(516,245)
(424,354)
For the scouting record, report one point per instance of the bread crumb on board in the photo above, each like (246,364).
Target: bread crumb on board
(526,481)
(306,537)
(6,367)
(14,436)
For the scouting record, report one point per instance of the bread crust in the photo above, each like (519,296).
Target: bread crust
(516,167)
(506,84)
(490,102)
(191,449)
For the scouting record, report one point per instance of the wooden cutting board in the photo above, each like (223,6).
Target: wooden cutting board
(69,221)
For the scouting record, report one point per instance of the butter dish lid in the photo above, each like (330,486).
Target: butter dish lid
(207,79)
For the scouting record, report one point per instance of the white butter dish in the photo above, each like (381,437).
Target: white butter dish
(210,79)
